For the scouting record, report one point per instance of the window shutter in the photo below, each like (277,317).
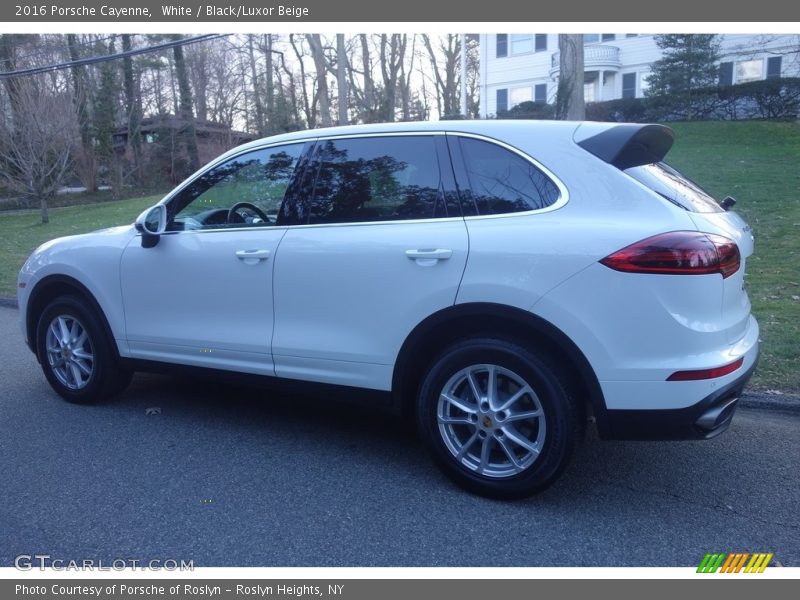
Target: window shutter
(629,85)
(502,100)
(726,73)
(541,42)
(773,67)
(502,45)
(540,93)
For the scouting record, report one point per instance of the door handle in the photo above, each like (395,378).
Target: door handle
(252,257)
(429,257)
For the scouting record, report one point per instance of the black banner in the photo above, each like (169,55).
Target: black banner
(360,11)
(371,589)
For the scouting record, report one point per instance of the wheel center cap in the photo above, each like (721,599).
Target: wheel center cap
(486,421)
(66,353)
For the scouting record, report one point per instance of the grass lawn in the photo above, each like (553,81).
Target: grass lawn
(21,232)
(758,163)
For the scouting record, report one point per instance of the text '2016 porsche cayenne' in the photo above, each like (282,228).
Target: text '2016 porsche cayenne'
(498,282)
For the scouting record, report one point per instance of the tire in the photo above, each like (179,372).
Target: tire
(499,446)
(76,354)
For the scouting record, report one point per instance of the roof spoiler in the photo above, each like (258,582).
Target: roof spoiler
(628,145)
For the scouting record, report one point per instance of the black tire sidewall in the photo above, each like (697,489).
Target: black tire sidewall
(555,401)
(105,375)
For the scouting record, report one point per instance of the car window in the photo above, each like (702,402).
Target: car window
(376,179)
(502,181)
(254,183)
(678,189)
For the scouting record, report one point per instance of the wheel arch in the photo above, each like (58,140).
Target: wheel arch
(462,321)
(51,287)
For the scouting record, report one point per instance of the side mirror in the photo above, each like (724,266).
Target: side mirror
(151,224)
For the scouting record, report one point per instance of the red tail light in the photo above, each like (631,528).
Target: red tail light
(678,253)
(706,373)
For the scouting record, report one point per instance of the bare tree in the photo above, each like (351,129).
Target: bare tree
(321,66)
(341,77)
(85,156)
(133,107)
(36,151)
(570,104)
(259,105)
(185,108)
(444,64)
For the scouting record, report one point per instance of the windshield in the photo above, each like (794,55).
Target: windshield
(678,189)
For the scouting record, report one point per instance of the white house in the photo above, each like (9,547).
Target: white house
(522,67)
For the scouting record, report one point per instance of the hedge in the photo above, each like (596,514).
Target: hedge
(777,98)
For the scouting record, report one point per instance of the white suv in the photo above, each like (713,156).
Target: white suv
(500,282)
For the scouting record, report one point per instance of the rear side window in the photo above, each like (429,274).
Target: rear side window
(376,179)
(502,181)
(670,184)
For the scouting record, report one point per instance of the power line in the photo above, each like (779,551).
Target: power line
(49,49)
(118,55)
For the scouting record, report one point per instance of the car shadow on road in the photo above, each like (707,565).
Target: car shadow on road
(358,433)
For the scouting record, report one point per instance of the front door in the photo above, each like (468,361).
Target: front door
(203,295)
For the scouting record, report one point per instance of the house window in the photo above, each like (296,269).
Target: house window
(773,67)
(629,85)
(630,35)
(608,37)
(520,95)
(749,70)
(521,43)
(502,100)
(591,38)
(541,42)
(502,45)
(726,73)
(540,93)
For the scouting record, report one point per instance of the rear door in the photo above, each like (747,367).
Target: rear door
(375,244)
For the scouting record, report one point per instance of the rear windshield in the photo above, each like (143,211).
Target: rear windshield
(678,189)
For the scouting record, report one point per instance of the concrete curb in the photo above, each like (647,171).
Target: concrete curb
(9,302)
(761,401)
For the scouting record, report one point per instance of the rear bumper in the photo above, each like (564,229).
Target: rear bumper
(703,420)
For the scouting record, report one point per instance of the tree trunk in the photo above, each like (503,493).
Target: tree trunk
(133,108)
(87,167)
(256,93)
(187,127)
(8,63)
(369,86)
(570,103)
(270,83)
(45,210)
(321,66)
(341,76)
(308,108)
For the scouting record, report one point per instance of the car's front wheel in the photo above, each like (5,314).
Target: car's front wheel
(497,418)
(76,354)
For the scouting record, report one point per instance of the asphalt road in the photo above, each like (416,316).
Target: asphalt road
(229,476)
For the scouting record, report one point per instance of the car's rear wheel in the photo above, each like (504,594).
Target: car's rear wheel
(497,418)
(75,353)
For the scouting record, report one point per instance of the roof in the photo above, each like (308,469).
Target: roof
(486,127)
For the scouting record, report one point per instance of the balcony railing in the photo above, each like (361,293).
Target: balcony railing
(595,57)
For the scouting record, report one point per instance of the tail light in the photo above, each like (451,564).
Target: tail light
(706,373)
(678,253)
